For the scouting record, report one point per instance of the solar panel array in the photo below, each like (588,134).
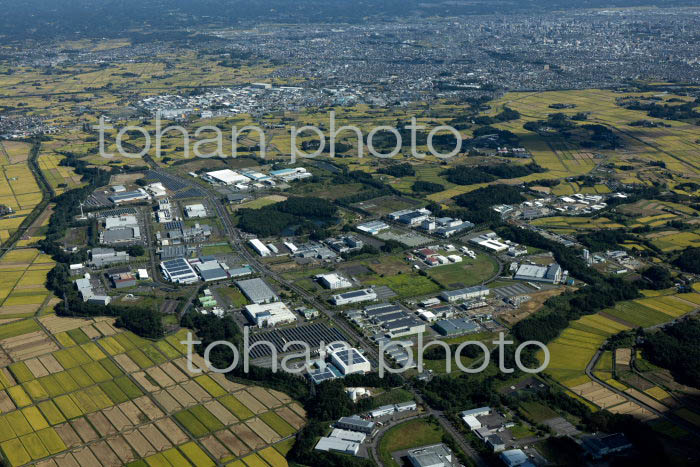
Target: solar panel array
(174,225)
(350,357)
(116,212)
(311,334)
(177,267)
(171,183)
(190,193)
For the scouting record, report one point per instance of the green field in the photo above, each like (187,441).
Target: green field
(467,273)
(407,435)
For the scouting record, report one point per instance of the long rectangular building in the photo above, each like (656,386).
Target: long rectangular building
(257,290)
(356,296)
(477,291)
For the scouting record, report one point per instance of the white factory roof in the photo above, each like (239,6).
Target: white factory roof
(228,176)
(336,444)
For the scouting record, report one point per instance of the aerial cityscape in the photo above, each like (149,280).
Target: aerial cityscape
(349,233)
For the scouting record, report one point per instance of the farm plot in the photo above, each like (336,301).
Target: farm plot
(574,348)
(105,396)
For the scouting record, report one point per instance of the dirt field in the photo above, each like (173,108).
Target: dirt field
(251,402)
(171,431)
(117,418)
(155,437)
(121,448)
(104,453)
(215,447)
(290,417)
(264,397)
(148,408)
(126,363)
(167,401)
(262,430)
(247,435)
(139,443)
(233,443)
(221,412)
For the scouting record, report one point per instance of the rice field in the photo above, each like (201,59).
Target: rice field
(103,396)
(571,352)
(676,146)
(19,189)
(22,290)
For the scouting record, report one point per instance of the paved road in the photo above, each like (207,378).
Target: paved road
(239,243)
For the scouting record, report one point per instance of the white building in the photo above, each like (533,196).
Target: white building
(490,241)
(269,314)
(350,361)
(115,222)
(337,445)
(260,247)
(225,176)
(194,211)
(478,291)
(333,281)
(348,435)
(373,227)
(472,422)
(157,190)
(529,272)
(356,296)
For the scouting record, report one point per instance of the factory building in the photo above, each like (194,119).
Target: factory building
(438,455)
(178,270)
(269,314)
(350,361)
(478,291)
(260,247)
(333,281)
(551,274)
(194,211)
(257,291)
(100,257)
(356,296)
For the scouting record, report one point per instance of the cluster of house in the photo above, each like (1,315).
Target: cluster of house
(247,179)
(422,219)
(120,230)
(431,257)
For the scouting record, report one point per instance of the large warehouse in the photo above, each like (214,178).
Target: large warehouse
(533,273)
(257,291)
(225,176)
(478,291)
(270,314)
(356,296)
